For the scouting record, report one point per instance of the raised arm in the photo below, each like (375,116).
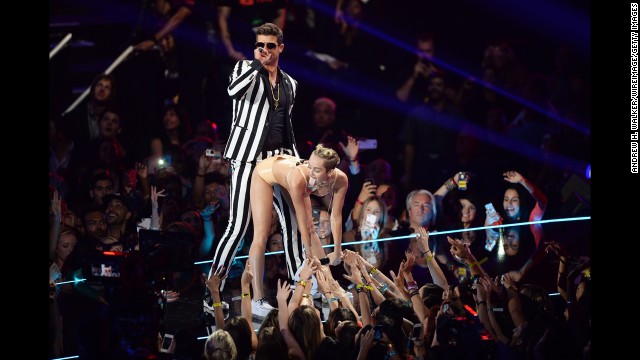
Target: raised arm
(213,285)
(169,26)
(245,306)
(283,319)
(539,197)
(434,268)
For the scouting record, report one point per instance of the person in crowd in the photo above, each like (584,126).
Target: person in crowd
(86,115)
(220,346)
(371,226)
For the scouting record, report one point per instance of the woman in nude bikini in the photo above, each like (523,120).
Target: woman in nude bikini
(300,178)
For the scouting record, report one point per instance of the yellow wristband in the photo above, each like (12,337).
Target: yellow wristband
(218,304)
(306,296)
(245,295)
(428,258)
(303,283)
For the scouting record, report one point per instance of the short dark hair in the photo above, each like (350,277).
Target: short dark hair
(101,176)
(108,77)
(270,29)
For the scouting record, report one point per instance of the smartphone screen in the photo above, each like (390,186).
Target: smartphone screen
(415,333)
(371,220)
(377,335)
(166,342)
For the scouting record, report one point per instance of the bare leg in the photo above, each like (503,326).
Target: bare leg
(261,203)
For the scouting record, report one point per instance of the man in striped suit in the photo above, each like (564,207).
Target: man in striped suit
(263,97)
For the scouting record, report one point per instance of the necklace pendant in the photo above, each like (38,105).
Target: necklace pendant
(275,106)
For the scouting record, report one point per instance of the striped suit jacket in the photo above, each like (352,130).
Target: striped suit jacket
(251,111)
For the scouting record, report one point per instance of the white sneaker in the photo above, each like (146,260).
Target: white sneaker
(260,308)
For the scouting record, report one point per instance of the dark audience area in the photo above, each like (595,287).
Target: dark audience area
(464,131)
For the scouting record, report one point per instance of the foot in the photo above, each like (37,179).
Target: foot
(260,308)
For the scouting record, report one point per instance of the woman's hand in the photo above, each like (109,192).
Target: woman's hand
(308,268)
(407,265)
(284,289)
(209,210)
(247,274)
(513,177)
(56,205)
(351,149)
(155,195)
(458,248)
(213,282)
(507,281)
(368,190)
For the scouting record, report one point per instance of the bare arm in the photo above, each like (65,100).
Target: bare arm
(213,284)
(283,319)
(225,35)
(168,27)
(434,268)
(514,304)
(245,306)
(336,213)
(540,198)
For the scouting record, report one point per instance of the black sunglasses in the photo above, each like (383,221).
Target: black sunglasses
(270,45)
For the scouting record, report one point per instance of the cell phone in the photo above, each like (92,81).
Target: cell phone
(366,144)
(445,308)
(416,332)
(212,153)
(370,220)
(377,332)
(462,181)
(166,343)
(370,180)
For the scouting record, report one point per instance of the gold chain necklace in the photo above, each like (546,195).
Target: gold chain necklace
(275,106)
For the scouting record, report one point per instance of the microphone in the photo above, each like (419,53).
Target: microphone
(261,49)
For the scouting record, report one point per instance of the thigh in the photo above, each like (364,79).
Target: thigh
(261,204)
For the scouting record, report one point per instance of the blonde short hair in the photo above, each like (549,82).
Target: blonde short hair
(220,346)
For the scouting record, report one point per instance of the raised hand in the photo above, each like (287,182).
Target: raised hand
(307,269)
(247,274)
(209,210)
(407,265)
(368,190)
(507,281)
(284,289)
(513,177)
(155,195)
(423,239)
(458,248)
(56,205)
(556,248)
(213,282)
(351,149)
(355,276)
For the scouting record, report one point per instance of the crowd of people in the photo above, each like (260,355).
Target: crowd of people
(359,269)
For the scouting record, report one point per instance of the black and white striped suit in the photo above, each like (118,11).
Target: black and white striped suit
(250,91)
